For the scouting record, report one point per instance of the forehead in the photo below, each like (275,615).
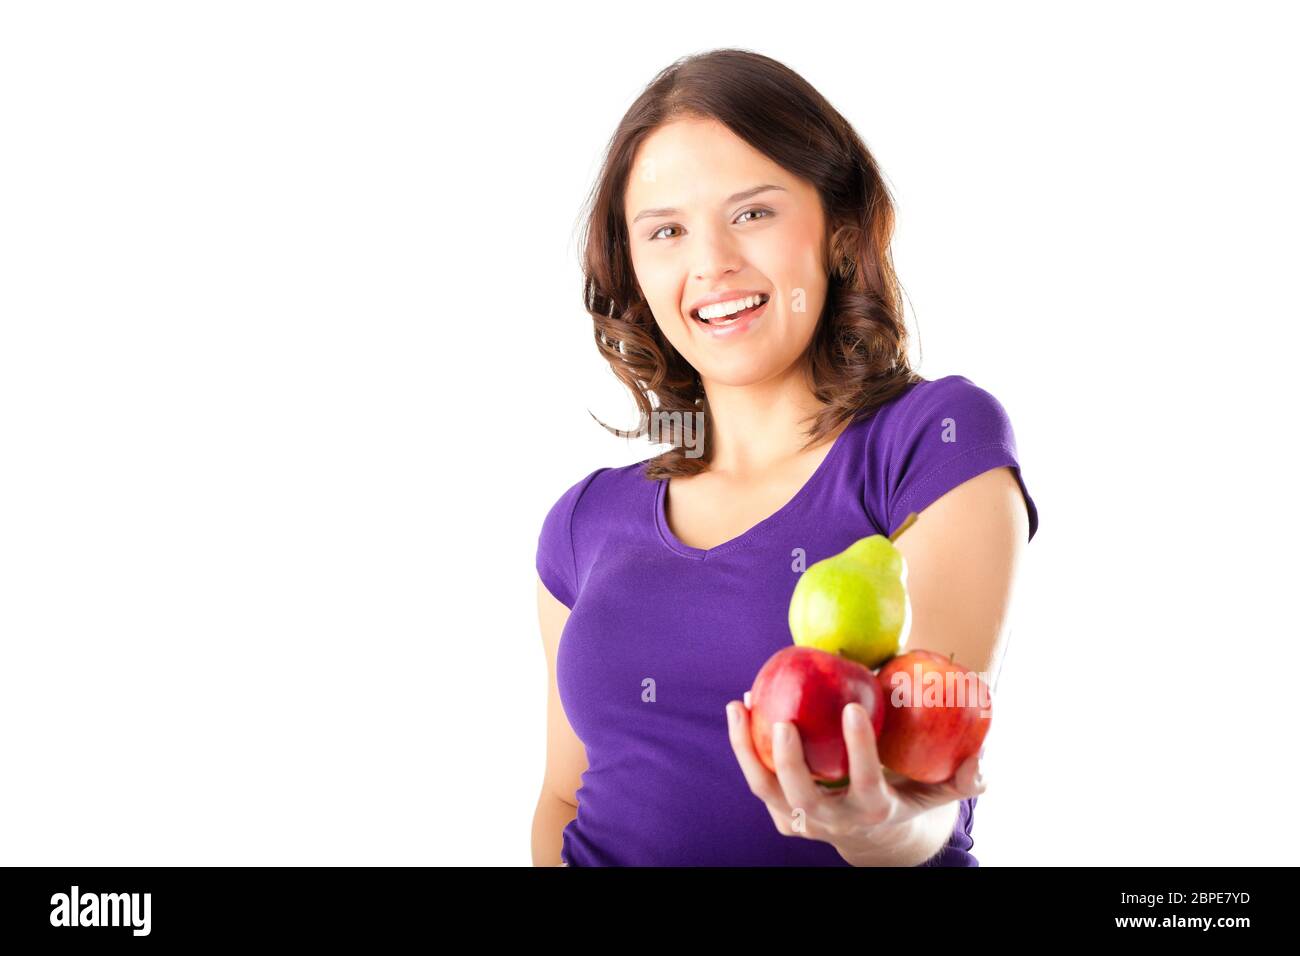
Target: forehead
(694,162)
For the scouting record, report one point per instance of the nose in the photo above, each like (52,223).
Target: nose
(718,254)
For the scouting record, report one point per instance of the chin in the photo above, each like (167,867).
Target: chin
(742,372)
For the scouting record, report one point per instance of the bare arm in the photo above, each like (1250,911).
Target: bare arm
(566,757)
(550,818)
(962,554)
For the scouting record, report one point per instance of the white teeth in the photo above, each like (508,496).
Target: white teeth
(721,310)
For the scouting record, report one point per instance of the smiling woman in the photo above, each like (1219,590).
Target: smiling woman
(737,266)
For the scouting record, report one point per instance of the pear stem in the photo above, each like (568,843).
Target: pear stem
(907,523)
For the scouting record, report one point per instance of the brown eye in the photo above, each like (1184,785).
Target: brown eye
(655,234)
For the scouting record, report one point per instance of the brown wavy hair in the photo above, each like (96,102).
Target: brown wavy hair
(858,353)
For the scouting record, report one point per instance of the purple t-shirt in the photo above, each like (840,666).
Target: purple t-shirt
(662,635)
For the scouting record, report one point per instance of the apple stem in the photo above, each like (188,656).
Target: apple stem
(907,523)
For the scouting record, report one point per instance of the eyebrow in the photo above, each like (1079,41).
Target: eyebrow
(746,194)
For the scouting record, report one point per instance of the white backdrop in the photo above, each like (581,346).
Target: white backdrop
(293,361)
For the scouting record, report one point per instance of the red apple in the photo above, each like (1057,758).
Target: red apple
(810,688)
(936,715)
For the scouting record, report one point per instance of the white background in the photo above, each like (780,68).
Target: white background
(293,360)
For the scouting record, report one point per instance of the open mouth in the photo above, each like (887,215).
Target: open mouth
(730,312)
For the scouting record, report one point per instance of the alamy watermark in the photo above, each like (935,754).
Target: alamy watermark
(101,909)
(932,688)
(668,427)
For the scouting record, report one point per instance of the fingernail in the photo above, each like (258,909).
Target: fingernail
(731,714)
(855,716)
(782,731)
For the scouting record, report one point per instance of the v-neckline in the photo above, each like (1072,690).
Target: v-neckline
(745,537)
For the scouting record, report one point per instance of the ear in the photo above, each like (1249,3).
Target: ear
(842,256)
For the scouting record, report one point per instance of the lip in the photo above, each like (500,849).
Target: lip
(725,295)
(738,327)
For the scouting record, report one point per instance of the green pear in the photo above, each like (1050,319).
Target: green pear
(855,603)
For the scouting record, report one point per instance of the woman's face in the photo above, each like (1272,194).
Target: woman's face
(696,227)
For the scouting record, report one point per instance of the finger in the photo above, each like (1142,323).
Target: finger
(967,781)
(791,769)
(762,782)
(869,794)
(793,823)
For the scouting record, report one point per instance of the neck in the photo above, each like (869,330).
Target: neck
(757,426)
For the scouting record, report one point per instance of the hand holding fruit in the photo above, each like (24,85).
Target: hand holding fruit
(867,819)
(859,786)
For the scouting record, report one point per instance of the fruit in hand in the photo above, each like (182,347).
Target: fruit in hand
(936,715)
(855,603)
(810,688)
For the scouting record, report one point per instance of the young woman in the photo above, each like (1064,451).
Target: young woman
(738,271)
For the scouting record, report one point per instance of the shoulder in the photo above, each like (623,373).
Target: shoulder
(564,505)
(606,484)
(931,438)
(954,410)
(579,515)
(598,493)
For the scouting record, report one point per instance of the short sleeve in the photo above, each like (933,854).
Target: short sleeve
(940,435)
(556,565)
